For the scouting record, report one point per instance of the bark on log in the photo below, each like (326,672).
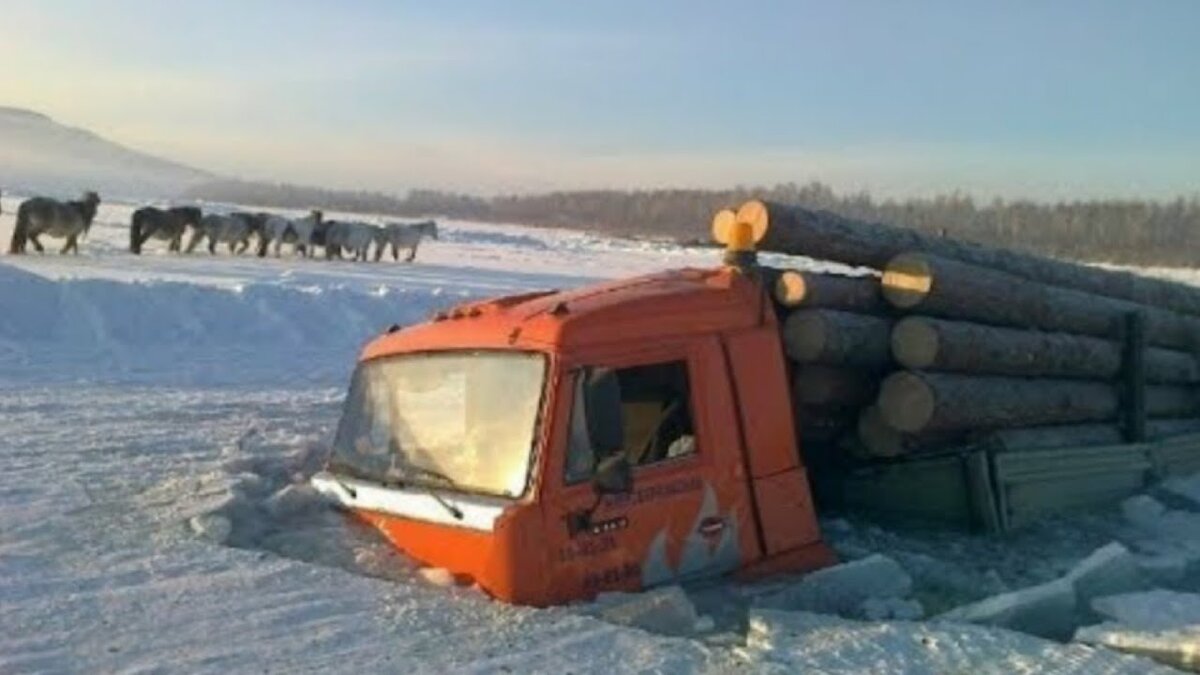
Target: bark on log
(948,288)
(924,343)
(1056,436)
(1157,430)
(1062,436)
(877,437)
(795,288)
(838,338)
(820,234)
(1170,401)
(815,384)
(915,402)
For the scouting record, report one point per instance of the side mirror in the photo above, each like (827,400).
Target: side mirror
(613,476)
(605,427)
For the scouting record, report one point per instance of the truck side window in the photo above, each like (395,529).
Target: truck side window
(657,414)
(581,458)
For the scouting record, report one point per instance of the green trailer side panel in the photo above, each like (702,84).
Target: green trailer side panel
(994,490)
(1033,484)
(1177,456)
(940,489)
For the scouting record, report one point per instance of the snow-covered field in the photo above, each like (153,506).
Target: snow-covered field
(159,416)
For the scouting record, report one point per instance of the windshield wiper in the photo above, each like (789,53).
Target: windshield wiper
(402,478)
(398,475)
(334,468)
(428,472)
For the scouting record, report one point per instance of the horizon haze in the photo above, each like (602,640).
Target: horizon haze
(1077,100)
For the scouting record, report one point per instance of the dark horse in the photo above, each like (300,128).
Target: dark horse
(42,215)
(162,224)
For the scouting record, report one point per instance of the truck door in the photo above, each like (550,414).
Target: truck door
(680,519)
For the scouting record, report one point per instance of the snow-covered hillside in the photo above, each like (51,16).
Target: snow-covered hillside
(37,153)
(159,417)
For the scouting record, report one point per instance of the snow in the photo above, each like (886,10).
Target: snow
(1185,488)
(1163,625)
(212,527)
(786,642)
(1177,648)
(1169,536)
(1142,511)
(666,610)
(1111,569)
(844,589)
(437,576)
(200,319)
(1167,569)
(1054,609)
(162,414)
(878,609)
(292,500)
(1151,610)
(1046,610)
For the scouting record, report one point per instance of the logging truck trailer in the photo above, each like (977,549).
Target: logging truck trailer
(553,445)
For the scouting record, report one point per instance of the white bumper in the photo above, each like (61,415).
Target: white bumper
(415,503)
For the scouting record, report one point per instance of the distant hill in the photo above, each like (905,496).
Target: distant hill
(38,154)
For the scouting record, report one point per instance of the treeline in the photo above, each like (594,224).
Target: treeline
(1136,232)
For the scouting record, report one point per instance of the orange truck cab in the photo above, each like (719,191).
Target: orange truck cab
(554,445)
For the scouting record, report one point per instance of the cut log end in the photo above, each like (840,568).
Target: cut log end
(879,439)
(756,213)
(808,337)
(725,220)
(906,402)
(722,222)
(907,280)
(914,343)
(790,289)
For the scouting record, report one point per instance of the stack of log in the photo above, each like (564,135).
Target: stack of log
(938,342)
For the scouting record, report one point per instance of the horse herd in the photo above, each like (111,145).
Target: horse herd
(238,231)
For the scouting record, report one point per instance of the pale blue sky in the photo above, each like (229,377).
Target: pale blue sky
(1047,99)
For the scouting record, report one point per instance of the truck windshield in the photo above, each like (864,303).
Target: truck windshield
(465,420)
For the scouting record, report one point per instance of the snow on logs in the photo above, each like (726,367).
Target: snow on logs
(795,230)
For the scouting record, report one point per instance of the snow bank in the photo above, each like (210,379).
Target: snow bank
(1151,610)
(259,499)
(805,642)
(1110,569)
(182,332)
(1167,539)
(1047,610)
(666,610)
(875,585)
(1163,625)
(1185,489)
(1056,608)
(1177,648)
